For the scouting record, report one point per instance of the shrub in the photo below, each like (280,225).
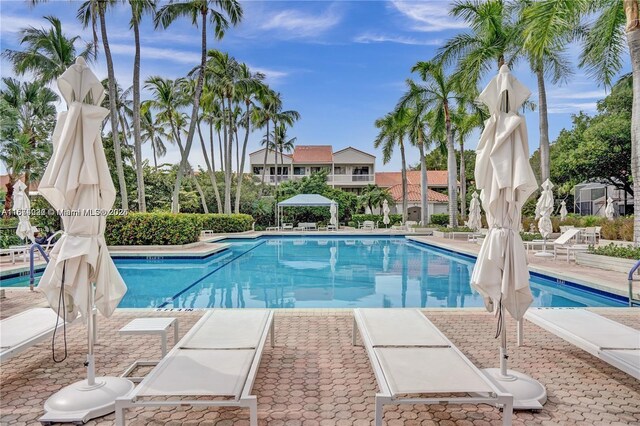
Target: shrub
(614,250)
(455,229)
(9,238)
(138,229)
(528,236)
(610,230)
(625,232)
(394,219)
(221,223)
(440,219)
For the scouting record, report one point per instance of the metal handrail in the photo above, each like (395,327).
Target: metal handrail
(32,278)
(633,270)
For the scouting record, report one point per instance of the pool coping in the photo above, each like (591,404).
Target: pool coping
(540,271)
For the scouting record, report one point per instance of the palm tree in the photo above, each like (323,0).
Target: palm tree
(212,115)
(88,12)
(167,99)
(138,9)
(392,129)
(221,13)
(282,144)
(437,93)
(48,53)
(152,131)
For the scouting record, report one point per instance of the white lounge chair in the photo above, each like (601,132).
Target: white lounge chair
(564,244)
(216,362)
(368,225)
(612,342)
(412,358)
(287,226)
(26,329)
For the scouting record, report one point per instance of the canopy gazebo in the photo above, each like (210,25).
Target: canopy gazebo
(306,200)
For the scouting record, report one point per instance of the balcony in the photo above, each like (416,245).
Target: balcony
(331,179)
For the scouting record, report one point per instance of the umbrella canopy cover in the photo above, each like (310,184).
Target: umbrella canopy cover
(563,210)
(22,208)
(475,215)
(77,182)
(385,212)
(334,214)
(610,211)
(544,208)
(506,180)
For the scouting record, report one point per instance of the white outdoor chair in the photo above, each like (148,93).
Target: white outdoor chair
(564,243)
(414,363)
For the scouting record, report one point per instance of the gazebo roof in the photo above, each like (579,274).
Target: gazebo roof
(306,200)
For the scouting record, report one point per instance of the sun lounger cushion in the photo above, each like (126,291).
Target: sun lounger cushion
(416,330)
(418,370)
(200,372)
(27,325)
(229,329)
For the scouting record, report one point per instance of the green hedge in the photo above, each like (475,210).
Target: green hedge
(394,219)
(138,229)
(220,223)
(613,250)
(440,219)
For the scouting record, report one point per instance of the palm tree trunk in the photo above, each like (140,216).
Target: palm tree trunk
(424,186)
(451,169)
(203,200)
(544,125)
(137,142)
(275,192)
(113,110)
(405,202)
(463,182)
(194,114)
(155,157)
(244,152)
(228,158)
(212,170)
(633,40)
(221,152)
(266,152)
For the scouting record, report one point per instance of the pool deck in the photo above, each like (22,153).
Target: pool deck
(608,281)
(314,377)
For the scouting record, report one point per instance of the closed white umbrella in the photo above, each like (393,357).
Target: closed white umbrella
(334,214)
(544,208)
(563,210)
(385,212)
(22,208)
(610,211)
(333,260)
(367,210)
(475,215)
(385,258)
(80,273)
(506,180)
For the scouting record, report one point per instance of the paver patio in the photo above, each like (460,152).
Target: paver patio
(313,376)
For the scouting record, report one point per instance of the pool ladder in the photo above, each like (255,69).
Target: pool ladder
(632,300)
(33,248)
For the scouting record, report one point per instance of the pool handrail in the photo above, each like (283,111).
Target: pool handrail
(31,266)
(632,271)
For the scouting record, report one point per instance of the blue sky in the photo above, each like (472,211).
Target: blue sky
(341,64)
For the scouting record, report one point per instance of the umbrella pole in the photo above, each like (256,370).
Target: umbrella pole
(504,356)
(91,319)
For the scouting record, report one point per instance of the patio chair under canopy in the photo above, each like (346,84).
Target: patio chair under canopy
(506,180)
(22,208)
(81,276)
(544,208)
(307,200)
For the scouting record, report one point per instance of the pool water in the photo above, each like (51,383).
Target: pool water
(320,272)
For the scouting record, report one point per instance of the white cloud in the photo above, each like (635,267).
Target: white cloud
(292,23)
(381,38)
(572,107)
(270,74)
(180,56)
(576,94)
(431,16)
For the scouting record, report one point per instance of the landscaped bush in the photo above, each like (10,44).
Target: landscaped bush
(614,250)
(440,219)
(528,236)
(9,238)
(394,219)
(137,229)
(625,232)
(455,229)
(222,223)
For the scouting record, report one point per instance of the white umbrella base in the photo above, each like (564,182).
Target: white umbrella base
(79,402)
(528,393)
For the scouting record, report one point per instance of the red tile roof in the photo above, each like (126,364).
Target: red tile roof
(389,179)
(313,154)
(413,194)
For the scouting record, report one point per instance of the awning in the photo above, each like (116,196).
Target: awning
(306,200)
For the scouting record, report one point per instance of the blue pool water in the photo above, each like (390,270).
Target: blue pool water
(319,272)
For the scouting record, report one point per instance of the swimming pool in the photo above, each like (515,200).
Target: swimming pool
(321,272)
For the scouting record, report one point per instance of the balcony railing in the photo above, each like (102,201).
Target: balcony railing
(335,179)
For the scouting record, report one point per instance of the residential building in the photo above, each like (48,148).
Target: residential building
(348,169)
(437,201)
(590,198)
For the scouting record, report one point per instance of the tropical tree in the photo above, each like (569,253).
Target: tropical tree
(211,114)
(48,52)
(152,131)
(282,143)
(89,12)
(138,9)
(392,130)
(221,14)
(167,98)
(373,196)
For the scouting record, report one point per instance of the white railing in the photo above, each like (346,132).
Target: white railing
(337,179)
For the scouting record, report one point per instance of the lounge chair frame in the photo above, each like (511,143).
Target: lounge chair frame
(246,400)
(386,397)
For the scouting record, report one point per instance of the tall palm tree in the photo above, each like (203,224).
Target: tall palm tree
(138,9)
(221,14)
(392,129)
(88,13)
(282,143)
(438,93)
(167,99)
(48,52)
(212,115)
(152,131)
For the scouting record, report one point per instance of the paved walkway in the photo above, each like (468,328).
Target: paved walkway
(313,376)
